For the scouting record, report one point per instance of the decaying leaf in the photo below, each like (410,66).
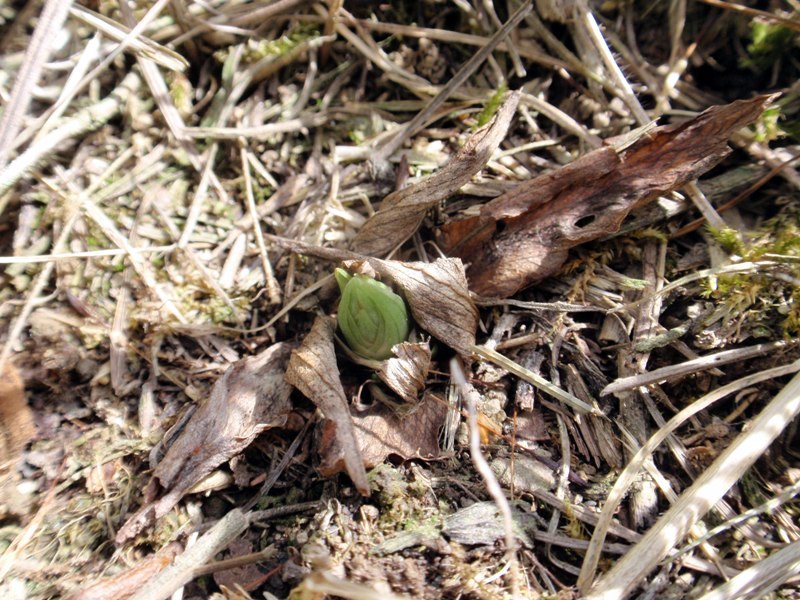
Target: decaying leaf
(314,372)
(381,432)
(437,295)
(402,212)
(524,235)
(250,397)
(404,373)
(16,419)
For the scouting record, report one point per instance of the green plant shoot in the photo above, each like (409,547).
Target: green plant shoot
(371,316)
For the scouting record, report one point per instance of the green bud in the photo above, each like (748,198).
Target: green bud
(371,316)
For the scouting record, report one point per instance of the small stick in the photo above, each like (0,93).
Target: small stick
(692,366)
(492,485)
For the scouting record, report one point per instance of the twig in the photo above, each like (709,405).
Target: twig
(631,470)
(183,569)
(587,20)
(273,290)
(456,37)
(43,258)
(492,485)
(234,563)
(754,12)
(534,379)
(769,506)
(459,78)
(88,119)
(279,468)
(41,281)
(697,223)
(763,577)
(692,366)
(132,38)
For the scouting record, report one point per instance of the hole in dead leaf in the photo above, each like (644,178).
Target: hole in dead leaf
(584,221)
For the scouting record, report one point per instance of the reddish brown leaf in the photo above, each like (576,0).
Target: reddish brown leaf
(250,397)
(16,419)
(524,235)
(381,432)
(401,212)
(313,371)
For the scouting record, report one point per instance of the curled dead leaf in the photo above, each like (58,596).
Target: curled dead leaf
(314,372)
(405,372)
(524,235)
(402,212)
(250,397)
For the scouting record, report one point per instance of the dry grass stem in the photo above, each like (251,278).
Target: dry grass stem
(693,366)
(203,550)
(701,496)
(471,398)
(51,20)
(455,82)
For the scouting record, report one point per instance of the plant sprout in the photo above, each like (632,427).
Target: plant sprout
(371,316)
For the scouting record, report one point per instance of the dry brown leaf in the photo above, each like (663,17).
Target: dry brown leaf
(314,372)
(524,235)
(402,212)
(404,373)
(437,295)
(250,397)
(381,432)
(16,419)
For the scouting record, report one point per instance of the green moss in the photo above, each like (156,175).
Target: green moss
(729,239)
(768,42)
(759,299)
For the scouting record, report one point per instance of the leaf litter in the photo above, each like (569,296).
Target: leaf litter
(140,299)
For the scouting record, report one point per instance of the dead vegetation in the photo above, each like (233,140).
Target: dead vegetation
(590,210)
